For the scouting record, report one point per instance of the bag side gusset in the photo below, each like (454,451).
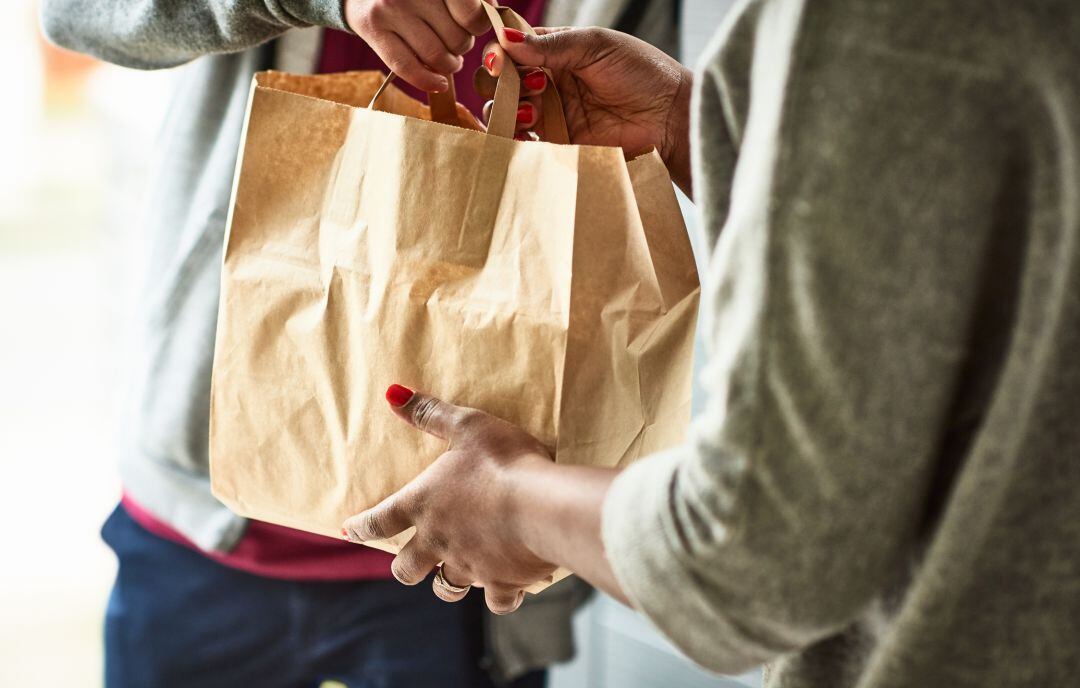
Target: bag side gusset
(623,318)
(667,358)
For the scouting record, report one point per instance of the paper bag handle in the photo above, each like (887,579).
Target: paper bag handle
(503,118)
(443,105)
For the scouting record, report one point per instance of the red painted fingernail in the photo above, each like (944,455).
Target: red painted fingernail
(344,533)
(535,81)
(489,61)
(398,396)
(514,36)
(525,113)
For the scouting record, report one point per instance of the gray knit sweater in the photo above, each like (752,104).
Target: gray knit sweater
(884,490)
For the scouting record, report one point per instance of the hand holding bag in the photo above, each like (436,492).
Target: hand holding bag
(550,284)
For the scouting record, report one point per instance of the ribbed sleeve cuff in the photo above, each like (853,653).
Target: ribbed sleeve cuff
(328,13)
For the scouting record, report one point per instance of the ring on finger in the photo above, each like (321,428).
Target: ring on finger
(447,586)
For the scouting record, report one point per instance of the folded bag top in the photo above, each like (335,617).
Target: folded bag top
(550,284)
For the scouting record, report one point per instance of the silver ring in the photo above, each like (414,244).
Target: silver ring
(448,586)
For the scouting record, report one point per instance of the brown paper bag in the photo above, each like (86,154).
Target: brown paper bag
(549,284)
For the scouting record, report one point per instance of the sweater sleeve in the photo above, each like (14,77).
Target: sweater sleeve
(844,289)
(155,34)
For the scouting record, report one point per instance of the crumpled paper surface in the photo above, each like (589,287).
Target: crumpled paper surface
(551,285)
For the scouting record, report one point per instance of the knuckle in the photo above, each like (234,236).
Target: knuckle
(433,55)
(564,42)
(379,12)
(409,68)
(462,572)
(456,576)
(463,44)
(372,30)
(589,35)
(403,571)
(371,525)
(476,22)
(424,411)
(556,42)
(593,38)
(469,419)
(412,564)
(573,45)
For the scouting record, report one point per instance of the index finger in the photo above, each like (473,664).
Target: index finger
(401,59)
(386,519)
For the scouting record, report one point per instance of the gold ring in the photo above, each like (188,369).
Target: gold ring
(448,586)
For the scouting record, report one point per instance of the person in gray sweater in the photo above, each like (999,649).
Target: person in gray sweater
(177,617)
(882,491)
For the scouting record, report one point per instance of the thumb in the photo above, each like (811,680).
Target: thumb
(426,413)
(554,48)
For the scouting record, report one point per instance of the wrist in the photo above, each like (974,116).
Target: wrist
(526,504)
(676,153)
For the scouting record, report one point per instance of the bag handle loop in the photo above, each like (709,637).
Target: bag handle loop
(503,119)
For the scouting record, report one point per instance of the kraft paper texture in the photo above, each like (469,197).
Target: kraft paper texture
(551,285)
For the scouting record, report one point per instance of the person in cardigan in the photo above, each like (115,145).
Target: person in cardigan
(881,491)
(204,598)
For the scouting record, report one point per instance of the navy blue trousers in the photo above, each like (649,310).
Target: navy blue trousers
(178,619)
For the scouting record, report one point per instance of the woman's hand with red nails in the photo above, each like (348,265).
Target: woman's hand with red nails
(533,83)
(616,90)
(420,40)
(462,505)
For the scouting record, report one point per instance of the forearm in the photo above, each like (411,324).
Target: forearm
(556,511)
(151,34)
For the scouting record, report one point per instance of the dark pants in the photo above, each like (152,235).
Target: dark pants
(178,619)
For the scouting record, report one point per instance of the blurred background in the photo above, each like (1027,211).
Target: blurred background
(75,137)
